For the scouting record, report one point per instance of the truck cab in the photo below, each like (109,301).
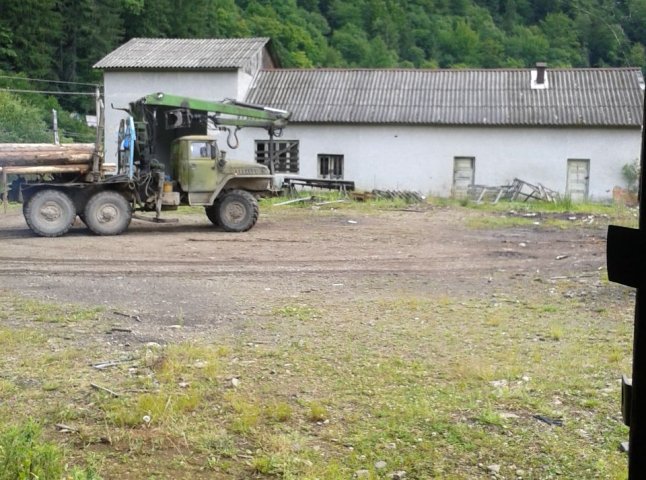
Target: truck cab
(199,167)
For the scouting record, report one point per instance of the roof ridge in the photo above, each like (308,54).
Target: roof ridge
(479,69)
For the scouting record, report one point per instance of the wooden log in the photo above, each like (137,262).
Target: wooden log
(44,169)
(9,147)
(43,158)
(33,154)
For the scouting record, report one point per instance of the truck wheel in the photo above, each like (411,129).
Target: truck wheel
(213,213)
(49,213)
(107,213)
(238,211)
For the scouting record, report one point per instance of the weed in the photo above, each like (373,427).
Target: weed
(556,332)
(265,465)
(299,312)
(318,412)
(23,455)
(278,411)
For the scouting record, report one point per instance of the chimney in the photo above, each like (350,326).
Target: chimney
(540,72)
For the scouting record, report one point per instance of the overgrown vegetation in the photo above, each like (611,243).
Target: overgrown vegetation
(434,386)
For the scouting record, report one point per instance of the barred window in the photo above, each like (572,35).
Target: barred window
(330,166)
(283,152)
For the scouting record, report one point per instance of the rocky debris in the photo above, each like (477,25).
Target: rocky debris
(362,474)
(495,469)
(381,464)
(398,475)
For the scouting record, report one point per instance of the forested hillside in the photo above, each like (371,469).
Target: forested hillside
(61,39)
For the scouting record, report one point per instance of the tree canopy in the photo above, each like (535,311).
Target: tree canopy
(60,40)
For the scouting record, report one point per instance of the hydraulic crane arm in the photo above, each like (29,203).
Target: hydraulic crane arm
(180,110)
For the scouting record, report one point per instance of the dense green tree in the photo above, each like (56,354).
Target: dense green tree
(62,39)
(29,33)
(21,122)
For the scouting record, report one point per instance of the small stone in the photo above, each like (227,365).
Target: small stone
(175,327)
(398,475)
(495,469)
(362,474)
(520,473)
(380,464)
(498,383)
(183,384)
(391,446)
(235,382)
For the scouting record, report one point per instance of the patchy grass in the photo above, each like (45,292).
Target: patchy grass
(437,387)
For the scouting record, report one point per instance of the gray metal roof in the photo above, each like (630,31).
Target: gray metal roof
(182,53)
(575,97)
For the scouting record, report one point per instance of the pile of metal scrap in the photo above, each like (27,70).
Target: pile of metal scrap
(484,193)
(519,190)
(406,195)
(292,183)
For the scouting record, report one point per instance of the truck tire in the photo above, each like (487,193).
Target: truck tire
(107,213)
(213,213)
(49,213)
(238,211)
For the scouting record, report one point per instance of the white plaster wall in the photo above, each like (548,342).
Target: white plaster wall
(421,158)
(123,87)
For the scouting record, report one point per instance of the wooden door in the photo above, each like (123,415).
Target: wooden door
(578,179)
(463,175)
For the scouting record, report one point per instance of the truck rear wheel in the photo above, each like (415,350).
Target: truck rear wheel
(107,213)
(238,211)
(49,213)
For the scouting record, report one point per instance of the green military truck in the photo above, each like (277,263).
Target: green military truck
(166,159)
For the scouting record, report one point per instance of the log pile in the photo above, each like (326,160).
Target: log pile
(39,154)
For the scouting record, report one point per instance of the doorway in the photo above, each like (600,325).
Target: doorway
(463,175)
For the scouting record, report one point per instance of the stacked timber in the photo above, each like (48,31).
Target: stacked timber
(36,158)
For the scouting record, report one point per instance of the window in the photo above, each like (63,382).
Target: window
(330,166)
(201,150)
(284,153)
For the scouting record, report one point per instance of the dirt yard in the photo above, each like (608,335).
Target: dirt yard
(349,342)
(210,279)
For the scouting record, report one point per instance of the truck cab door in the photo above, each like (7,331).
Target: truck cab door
(197,172)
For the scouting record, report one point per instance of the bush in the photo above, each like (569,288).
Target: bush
(24,456)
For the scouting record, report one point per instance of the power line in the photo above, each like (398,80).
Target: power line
(48,92)
(49,81)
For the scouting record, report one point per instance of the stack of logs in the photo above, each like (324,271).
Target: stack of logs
(45,158)
(39,158)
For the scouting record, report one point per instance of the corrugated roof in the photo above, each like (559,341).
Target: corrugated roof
(580,97)
(183,53)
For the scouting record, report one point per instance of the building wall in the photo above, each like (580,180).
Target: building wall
(421,158)
(122,87)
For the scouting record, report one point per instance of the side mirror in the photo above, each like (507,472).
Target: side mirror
(223,159)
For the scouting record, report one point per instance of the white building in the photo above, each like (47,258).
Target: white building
(210,69)
(433,131)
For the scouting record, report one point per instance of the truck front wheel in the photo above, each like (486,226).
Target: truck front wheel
(213,213)
(238,211)
(107,213)
(49,213)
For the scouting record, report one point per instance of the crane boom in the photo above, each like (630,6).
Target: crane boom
(227,112)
